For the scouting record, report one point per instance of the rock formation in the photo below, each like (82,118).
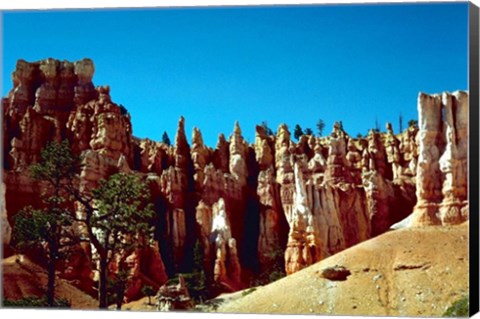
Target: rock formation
(243,203)
(6,229)
(144,267)
(225,246)
(409,151)
(199,155)
(219,247)
(238,153)
(174,297)
(270,227)
(393,152)
(303,246)
(54,100)
(442,162)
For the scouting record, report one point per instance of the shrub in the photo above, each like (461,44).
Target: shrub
(459,308)
(123,110)
(149,292)
(274,271)
(248,291)
(35,302)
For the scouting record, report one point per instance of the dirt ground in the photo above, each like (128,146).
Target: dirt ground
(407,272)
(26,279)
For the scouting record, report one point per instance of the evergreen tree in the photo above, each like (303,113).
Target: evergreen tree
(377,126)
(116,218)
(117,286)
(297,132)
(196,281)
(267,129)
(149,292)
(118,222)
(166,139)
(320,127)
(413,123)
(48,225)
(308,131)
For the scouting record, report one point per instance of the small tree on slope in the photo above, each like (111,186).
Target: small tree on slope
(116,218)
(119,221)
(33,227)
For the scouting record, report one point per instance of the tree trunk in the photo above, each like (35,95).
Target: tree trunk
(120,295)
(52,251)
(51,277)
(102,289)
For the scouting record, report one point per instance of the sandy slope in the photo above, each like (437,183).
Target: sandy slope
(407,272)
(140,305)
(27,279)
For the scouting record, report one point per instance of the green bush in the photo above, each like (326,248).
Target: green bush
(249,291)
(458,309)
(35,302)
(274,271)
(149,292)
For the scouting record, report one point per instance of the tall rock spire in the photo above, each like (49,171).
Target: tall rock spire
(238,153)
(182,150)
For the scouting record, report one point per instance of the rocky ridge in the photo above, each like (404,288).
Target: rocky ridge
(306,200)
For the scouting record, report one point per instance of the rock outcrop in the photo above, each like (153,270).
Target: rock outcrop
(303,246)
(271,215)
(174,297)
(6,229)
(219,247)
(441,174)
(143,267)
(243,203)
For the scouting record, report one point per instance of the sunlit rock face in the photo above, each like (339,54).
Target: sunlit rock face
(442,161)
(303,246)
(6,228)
(220,252)
(240,203)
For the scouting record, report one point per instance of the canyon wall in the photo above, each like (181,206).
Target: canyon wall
(242,203)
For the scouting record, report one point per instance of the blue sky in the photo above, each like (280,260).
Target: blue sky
(293,65)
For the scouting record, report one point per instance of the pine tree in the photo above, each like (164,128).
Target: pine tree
(119,221)
(297,132)
(166,139)
(267,129)
(196,281)
(48,225)
(320,127)
(377,126)
(116,218)
(149,292)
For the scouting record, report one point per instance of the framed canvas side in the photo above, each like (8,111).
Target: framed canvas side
(474,150)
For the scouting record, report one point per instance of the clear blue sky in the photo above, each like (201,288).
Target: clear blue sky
(276,64)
